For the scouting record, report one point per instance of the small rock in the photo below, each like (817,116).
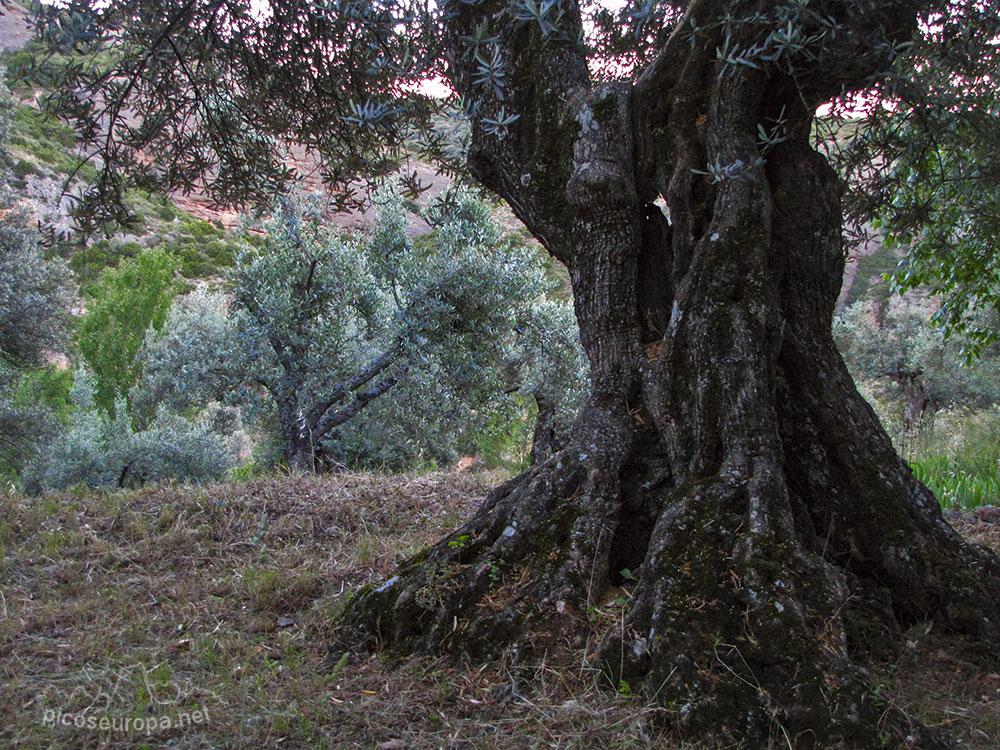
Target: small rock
(987,514)
(392,745)
(287,622)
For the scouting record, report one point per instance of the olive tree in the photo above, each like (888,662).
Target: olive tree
(207,352)
(896,345)
(327,324)
(724,454)
(36,295)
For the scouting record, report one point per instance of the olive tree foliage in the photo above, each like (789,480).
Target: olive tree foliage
(327,325)
(894,346)
(664,154)
(97,449)
(36,295)
(925,169)
(206,64)
(549,367)
(191,361)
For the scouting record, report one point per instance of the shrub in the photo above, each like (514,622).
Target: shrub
(22,168)
(101,451)
(202,230)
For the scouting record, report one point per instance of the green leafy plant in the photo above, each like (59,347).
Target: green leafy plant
(125,303)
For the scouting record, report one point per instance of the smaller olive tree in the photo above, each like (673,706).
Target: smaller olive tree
(912,363)
(534,389)
(327,325)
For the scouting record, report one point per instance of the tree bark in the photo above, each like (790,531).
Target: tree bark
(725,457)
(545,440)
(303,431)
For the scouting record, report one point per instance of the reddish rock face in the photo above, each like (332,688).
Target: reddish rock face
(14,31)
(201,207)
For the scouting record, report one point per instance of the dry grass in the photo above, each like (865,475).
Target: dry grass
(222,600)
(947,680)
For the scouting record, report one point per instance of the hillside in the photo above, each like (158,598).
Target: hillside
(45,160)
(181,220)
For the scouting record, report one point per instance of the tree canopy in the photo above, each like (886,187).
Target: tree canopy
(924,169)
(126,302)
(329,324)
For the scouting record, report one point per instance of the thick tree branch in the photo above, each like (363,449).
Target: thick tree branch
(361,400)
(339,392)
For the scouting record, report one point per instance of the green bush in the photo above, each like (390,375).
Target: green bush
(48,387)
(98,451)
(203,229)
(30,122)
(22,168)
(127,301)
(213,248)
(128,249)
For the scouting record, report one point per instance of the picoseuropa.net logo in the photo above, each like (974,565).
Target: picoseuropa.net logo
(146,724)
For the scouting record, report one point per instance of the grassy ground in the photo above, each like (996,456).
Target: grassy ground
(213,608)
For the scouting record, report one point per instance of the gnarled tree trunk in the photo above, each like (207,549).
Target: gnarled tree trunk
(725,456)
